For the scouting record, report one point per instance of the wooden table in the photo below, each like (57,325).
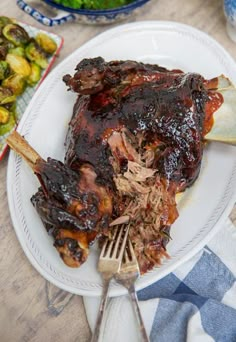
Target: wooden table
(31,309)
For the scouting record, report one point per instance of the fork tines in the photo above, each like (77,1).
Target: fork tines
(111,246)
(113,250)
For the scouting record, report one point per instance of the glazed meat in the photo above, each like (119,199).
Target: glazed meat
(135,140)
(141,128)
(73,208)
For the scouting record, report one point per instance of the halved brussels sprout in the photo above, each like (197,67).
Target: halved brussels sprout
(19,64)
(35,75)
(3,52)
(6,96)
(11,107)
(4,21)
(16,83)
(4,70)
(5,128)
(46,43)
(36,54)
(4,115)
(15,34)
(19,51)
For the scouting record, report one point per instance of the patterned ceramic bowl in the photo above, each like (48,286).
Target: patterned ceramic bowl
(49,13)
(230,14)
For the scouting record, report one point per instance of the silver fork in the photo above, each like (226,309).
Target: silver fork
(127,275)
(108,265)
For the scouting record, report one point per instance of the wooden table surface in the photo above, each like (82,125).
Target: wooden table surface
(31,309)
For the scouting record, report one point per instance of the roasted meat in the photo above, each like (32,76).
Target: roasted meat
(72,206)
(142,129)
(135,140)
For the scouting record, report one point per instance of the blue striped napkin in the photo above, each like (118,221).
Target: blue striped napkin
(196,303)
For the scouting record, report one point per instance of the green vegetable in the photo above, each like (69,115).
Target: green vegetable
(4,70)
(4,21)
(10,106)
(93,4)
(22,59)
(46,43)
(36,54)
(34,77)
(7,127)
(6,96)
(19,64)
(19,51)
(5,45)
(4,115)
(3,52)
(16,83)
(15,34)
(70,3)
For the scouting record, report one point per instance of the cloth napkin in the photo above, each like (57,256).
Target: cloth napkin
(196,303)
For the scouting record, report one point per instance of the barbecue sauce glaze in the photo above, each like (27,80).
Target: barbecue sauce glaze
(168,108)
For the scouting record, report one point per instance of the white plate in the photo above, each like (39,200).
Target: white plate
(44,125)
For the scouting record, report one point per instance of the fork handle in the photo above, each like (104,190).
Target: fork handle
(134,301)
(101,310)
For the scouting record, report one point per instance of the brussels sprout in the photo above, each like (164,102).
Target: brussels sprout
(4,21)
(3,52)
(36,54)
(34,77)
(4,69)
(11,107)
(16,83)
(4,115)
(19,64)
(5,128)
(7,43)
(46,43)
(19,51)
(6,96)
(15,34)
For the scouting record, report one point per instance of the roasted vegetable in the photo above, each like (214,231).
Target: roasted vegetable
(4,115)
(6,43)
(4,21)
(18,69)
(35,75)
(19,64)
(16,34)
(19,51)
(3,52)
(16,83)
(11,107)
(4,70)
(6,96)
(46,43)
(36,54)
(5,128)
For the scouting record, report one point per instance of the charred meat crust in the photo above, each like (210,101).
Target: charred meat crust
(135,139)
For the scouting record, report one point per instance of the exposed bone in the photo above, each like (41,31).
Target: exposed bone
(22,147)
(224,127)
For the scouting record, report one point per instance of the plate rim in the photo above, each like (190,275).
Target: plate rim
(115,291)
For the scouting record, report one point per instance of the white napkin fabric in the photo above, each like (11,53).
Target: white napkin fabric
(196,303)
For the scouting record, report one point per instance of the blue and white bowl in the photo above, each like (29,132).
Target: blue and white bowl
(230,14)
(66,14)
